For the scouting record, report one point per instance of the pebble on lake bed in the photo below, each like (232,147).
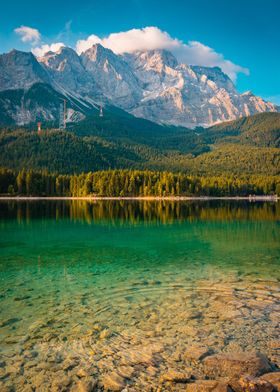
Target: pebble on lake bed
(113,382)
(236,364)
(251,384)
(105,334)
(196,353)
(175,376)
(208,386)
(273,378)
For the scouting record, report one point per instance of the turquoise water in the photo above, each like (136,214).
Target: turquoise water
(101,284)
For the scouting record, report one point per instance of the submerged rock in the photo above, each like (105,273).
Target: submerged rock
(85,385)
(236,364)
(196,353)
(6,388)
(175,376)
(9,322)
(81,373)
(126,371)
(273,378)
(105,334)
(251,384)
(208,386)
(112,382)
(140,354)
(61,383)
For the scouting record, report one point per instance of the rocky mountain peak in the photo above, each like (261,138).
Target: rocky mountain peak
(115,77)
(20,70)
(97,53)
(17,57)
(149,84)
(64,57)
(216,75)
(68,73)
(247,93)
(155,60)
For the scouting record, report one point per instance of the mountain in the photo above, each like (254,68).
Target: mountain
(148,84)
(67,73)
(31,91)
(41,102)
(62,152)
(117,81)
(38,103)
(188,95)
(20,70)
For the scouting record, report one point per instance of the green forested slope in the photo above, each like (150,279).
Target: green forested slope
(261,130)
(61,151)
(119,140)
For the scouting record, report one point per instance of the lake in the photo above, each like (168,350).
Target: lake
(120,292)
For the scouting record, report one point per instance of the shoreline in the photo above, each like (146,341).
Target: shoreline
(141,198)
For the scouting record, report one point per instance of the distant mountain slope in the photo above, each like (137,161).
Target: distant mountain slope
(228,159)
(123,128)
(20,70)
(23,106)
(261,130)
(67,73)
(188,95)
(231,148)
(40,102)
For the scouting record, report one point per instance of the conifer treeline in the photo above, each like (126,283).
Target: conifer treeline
(133,183)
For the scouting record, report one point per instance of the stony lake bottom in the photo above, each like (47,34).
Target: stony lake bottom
(119,293)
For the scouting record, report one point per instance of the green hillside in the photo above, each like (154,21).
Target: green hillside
(261,130)
(61,151)
(119,140)
(121,127)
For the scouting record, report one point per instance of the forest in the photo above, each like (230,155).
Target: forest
(248,146)
(124,156)
(133,183)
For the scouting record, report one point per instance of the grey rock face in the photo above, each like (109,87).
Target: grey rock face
(20,70)
(116,79)
(188,95)
(67,72)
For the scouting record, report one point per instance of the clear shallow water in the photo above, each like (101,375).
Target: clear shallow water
(99,286)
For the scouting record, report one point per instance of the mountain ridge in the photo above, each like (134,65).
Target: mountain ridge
(148,84)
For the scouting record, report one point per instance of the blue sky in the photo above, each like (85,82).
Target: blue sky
(244,32)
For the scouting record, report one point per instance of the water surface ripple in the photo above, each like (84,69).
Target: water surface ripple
(132,285)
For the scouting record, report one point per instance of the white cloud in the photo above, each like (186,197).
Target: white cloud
(152,37)
(84,44)
(196,53)
(40,51)
(147,38)
(28,34)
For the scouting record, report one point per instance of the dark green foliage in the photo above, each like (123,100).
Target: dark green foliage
(121,127)
(262,130)
(60,151)
(115,183)
(230,159)
(121,141)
